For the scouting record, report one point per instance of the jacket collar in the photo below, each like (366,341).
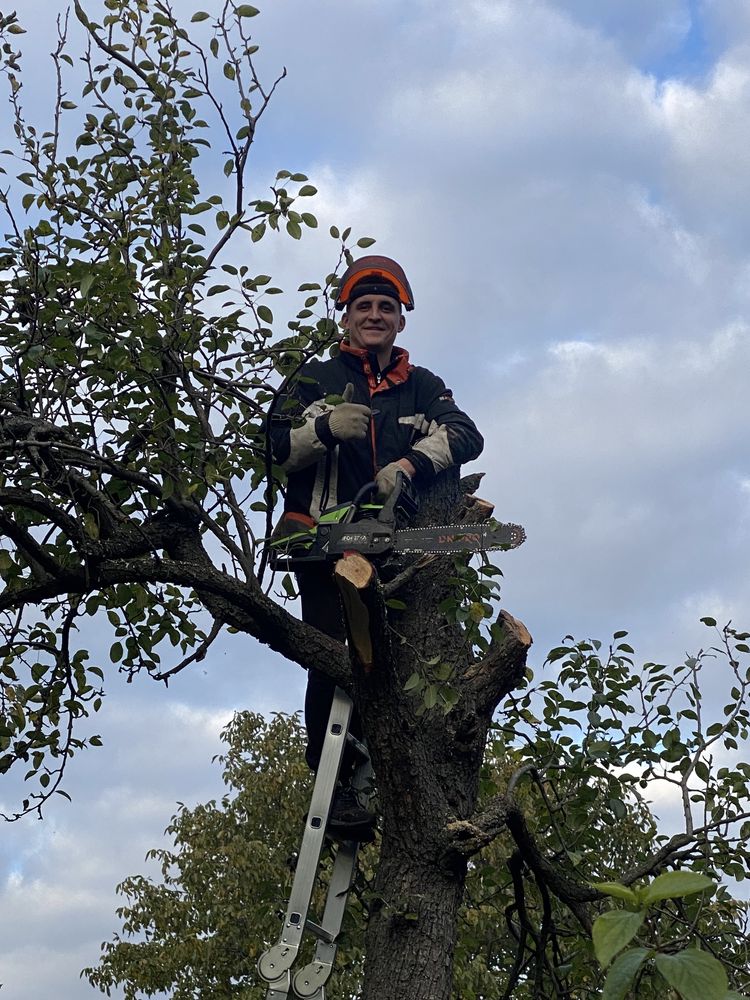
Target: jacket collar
(399,357)
(395,372)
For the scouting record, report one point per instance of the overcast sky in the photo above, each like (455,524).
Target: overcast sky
(566,185)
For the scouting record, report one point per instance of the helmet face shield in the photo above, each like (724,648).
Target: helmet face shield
(382,272)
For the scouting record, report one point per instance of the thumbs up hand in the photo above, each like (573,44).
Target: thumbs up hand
(349,421)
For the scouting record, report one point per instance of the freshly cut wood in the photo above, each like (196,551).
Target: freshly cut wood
(355,569)
(354,575)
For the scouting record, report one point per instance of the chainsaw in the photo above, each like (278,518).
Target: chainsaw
(371,529)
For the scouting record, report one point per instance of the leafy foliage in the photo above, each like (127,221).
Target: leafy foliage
(137,361)
(694,974)
(224,886)
(200,930)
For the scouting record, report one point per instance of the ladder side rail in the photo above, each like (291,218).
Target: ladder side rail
(310,980)
(274,963)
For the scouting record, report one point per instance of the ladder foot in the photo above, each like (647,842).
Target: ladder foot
(310,980)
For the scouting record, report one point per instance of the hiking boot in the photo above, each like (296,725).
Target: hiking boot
(347,815)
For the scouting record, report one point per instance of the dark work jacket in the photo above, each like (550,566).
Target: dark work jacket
(415,418)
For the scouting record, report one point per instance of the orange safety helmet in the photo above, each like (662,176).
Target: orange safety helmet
(384,275)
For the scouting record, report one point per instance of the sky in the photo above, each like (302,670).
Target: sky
(566,184)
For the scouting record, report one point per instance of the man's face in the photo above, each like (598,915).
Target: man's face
(372,322)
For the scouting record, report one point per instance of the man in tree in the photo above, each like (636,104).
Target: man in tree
(393,418)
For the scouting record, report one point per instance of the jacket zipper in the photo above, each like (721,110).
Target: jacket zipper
(377,378)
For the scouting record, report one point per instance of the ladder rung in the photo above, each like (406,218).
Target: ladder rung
(358,746)
(319,932)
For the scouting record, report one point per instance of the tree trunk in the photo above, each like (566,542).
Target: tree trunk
(426,762)
(413,923)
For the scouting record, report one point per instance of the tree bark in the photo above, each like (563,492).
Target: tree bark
(426,762)
(412,930)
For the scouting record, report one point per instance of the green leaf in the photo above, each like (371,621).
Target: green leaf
(449,696)
(294,229)
(414,681)
(672,885)
(616,890)
(431,696)
(199,15)
(245,10)
(306,190)
(229,71)
(395,604)
(612,931)
(695,975)
(622,973)
(476,612)
(366,241)
(711,622)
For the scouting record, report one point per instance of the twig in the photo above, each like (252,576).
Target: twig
(195,657)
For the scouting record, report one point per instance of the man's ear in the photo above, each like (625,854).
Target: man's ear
(401,323)
(344,321)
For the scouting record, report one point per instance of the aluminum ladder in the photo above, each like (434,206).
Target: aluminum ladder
(275,964)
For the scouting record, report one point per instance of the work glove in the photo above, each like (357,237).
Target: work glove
(385,480)
(349,421)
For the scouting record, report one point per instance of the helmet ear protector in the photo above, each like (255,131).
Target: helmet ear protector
(374,275)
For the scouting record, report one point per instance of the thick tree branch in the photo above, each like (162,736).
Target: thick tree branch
(25,499)
(41,562)
(571,891)
(242,605)
(659,859)
(487,682)
(502,813)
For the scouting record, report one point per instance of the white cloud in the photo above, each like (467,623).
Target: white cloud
(210,723)
(707,129)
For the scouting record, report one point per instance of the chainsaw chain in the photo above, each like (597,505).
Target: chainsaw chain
(445,538)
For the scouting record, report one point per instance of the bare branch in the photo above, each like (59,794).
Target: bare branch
(196,657)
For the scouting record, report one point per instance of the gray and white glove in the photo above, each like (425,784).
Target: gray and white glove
(349,421)
(385,480)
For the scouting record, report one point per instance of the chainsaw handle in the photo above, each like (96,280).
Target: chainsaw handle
(358,498)
(387,514)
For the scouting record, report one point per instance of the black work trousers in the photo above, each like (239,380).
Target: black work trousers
(321,608)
